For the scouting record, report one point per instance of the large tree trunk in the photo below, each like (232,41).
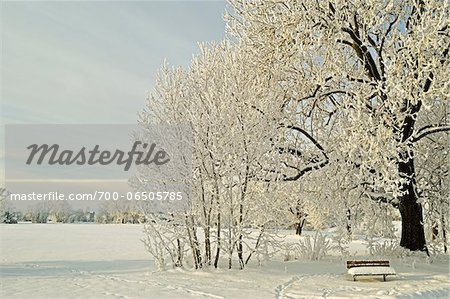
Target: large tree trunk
(413,234)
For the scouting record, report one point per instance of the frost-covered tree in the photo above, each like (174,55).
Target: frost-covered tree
(3,193)
(38,212)
(366,76)
(8,213)
(434,187)
(216,97)
(316,109)
(60,211)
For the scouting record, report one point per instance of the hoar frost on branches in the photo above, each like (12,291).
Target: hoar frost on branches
(217,97)
(371,71)
(307,105)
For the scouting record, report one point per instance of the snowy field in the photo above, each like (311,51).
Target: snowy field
(109,261)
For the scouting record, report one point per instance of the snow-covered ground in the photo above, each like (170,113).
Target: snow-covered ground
(109,261)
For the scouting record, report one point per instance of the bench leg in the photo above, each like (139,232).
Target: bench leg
(384,277)
(354,278)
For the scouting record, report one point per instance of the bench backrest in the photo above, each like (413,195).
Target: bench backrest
(352,264)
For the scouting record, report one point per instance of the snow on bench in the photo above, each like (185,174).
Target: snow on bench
(369,268)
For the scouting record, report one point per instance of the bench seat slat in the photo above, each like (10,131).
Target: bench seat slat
(371,271)
(351,264)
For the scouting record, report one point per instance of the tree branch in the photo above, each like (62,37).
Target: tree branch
(380,197)
(314,163)
(306,170)
(427,130)
(310,138)
(364,54)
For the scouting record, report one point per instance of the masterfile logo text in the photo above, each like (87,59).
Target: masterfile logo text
(101,162)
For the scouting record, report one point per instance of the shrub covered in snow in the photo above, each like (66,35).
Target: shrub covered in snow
(314,248)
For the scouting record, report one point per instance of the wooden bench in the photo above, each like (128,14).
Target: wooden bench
(369,268)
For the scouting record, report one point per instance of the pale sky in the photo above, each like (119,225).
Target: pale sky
(94,62)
